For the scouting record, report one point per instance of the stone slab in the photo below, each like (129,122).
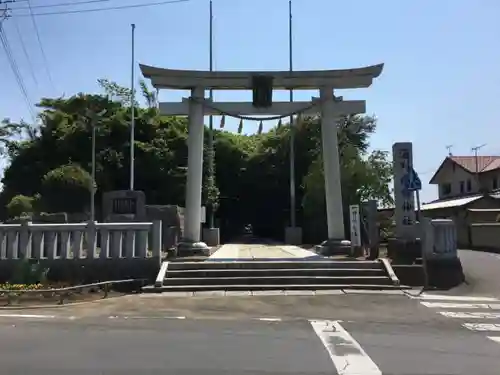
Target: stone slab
(257,251)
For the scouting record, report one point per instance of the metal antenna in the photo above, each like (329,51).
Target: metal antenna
(449,147)
(475,150)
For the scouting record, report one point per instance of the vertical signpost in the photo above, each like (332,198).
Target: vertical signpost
(405,203)
(355,227)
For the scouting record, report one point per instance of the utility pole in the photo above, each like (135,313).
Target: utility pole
(5,12)
(132,114)
(211,150)
(475,150)
(292,125)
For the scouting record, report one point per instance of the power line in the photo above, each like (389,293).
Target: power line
(61,4)
(40,44)
(25,51)
(101,9)
(15,69)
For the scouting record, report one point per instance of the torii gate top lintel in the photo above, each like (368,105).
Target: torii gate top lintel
(242,80)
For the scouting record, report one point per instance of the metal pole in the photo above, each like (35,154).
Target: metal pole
(211,157)
(292,126)
(476,149)
(92,191)
(132,109)
(423,227)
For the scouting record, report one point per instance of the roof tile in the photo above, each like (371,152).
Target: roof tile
(484,163)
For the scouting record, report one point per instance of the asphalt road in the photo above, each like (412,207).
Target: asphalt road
(337,334)
(482,273)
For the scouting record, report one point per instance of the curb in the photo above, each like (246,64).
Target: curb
(57,306)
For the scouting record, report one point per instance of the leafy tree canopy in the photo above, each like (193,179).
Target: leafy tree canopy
(251,183)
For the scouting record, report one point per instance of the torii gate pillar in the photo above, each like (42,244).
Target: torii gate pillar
(331,166)
(192,213)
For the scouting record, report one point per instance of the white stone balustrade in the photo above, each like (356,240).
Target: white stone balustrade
(90,240)
(439,238)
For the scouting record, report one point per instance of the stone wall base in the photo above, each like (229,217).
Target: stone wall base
(84,271)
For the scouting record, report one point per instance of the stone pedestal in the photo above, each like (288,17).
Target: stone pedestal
(211,236)
(357,251)
(444,273)
(403,250)
(293,235)
(334,247)
(188,248)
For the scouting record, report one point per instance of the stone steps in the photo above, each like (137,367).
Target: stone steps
(274,275)
(271,272)
(254,287)
(279,280)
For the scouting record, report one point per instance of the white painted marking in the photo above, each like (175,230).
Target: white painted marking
(329,292)
(270,319)
(494,338)
(35,316)
(482,327)
(470,315)
(449,305)
(346,354)
(146,317)
(434,297)
(494,255)
(368,291)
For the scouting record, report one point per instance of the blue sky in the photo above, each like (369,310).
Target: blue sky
(441,58)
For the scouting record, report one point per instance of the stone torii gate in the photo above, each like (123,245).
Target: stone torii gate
(262,83)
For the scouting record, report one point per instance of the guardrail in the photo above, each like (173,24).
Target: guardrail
(64,293)
(89,240)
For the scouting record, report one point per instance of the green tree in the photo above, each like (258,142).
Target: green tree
(20,205)
(252,175)
(66,189)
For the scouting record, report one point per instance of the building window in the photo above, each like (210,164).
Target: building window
(446,189)
(495,183)
(462,187)
(469,185)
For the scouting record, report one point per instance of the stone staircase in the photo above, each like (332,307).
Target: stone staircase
(274,275)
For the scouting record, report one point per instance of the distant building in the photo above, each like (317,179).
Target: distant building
(457,176)
(470,198)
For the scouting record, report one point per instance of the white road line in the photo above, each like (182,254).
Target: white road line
(471,315)
(450,305)
(34,316)
(346,354)
(482,327)
(270,319)
(437,297)
(146,317)
(495,338)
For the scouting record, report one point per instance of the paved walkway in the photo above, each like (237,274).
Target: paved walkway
(259,251)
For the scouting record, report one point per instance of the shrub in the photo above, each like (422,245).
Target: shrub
(66,189)
(20,205)
(29,274)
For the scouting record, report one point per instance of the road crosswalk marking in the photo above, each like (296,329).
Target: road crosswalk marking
(440,297)
(345,352)
(453,305)
(482,327)
(459,307)
(470,315)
